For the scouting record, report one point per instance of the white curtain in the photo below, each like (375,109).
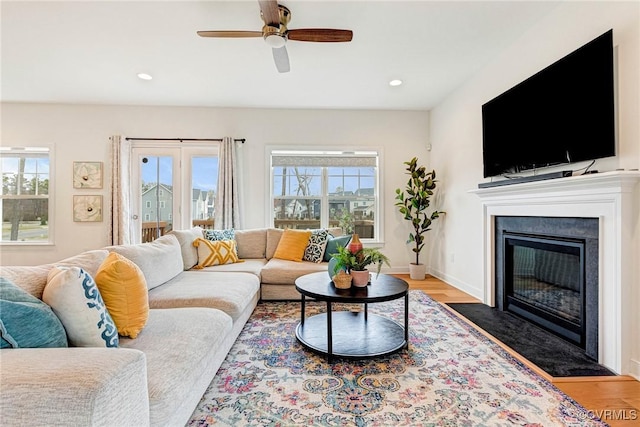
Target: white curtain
(120,189)
(227,208)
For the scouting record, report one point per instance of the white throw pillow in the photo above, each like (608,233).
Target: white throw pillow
(74,297)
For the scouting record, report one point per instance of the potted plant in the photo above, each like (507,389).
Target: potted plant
(356,263)
(413,204)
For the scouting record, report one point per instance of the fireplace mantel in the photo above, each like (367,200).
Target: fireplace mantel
(608,196)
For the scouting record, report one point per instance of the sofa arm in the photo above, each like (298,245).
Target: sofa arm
(73,387)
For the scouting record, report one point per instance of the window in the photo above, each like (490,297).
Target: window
(147,204)
(314,189)
(24,201)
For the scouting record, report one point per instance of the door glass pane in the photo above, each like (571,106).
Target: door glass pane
(157,196)
(204,177)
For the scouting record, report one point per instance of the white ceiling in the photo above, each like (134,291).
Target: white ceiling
(90,52)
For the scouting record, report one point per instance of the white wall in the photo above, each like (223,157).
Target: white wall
(456,127)
(81,133)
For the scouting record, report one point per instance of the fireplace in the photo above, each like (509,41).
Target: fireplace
(610,199)
(547,274)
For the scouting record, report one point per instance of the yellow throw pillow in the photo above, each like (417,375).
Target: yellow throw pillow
(215,252)
(124,292)
(292,244)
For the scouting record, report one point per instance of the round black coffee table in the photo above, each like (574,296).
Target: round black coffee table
(354,334)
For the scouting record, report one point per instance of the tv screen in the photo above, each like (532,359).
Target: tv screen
(562,114)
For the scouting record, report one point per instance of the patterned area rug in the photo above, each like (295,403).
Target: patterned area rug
(451,375)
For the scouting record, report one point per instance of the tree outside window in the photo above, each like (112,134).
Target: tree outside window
(326,189)
(24,201)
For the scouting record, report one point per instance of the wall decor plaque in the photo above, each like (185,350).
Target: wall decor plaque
(87,208)
(87,175)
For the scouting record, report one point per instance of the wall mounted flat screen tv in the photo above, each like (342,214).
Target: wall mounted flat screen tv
(562,114)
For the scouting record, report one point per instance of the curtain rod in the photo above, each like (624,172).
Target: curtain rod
(182,139)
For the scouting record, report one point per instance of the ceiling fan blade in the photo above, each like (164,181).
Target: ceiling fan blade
(270,12)
(320,35)
(281,59)
(230,34)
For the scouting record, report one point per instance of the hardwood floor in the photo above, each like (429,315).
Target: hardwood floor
(616,400)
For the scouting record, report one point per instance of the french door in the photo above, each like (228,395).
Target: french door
(173,187)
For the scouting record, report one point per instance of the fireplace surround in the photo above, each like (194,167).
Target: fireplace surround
(546,271)
(609,199)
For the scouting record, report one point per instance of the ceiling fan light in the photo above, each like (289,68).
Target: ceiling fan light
(275,41)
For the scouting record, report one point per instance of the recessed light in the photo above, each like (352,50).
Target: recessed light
(395,82)
(144,76)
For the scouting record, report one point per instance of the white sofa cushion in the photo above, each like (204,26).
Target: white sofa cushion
(273,238)
(34,278)
(283,272)
(226,291)
(252,243)
(186,238)
(253,266)
(181,346)
(99,387)
(160,260)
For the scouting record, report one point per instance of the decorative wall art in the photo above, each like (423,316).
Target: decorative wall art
(87,208)
(87,175)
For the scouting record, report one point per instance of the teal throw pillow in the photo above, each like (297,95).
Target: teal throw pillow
(228,234)
(333,243)
(27,322)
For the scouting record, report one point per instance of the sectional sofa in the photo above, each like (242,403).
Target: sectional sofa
(157,378)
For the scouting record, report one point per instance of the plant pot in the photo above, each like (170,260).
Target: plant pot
(342,280)
(417,271)
(360,278)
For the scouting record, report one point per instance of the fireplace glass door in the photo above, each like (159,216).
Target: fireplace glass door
(544,283)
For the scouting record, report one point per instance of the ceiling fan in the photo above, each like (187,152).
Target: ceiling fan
(275,32)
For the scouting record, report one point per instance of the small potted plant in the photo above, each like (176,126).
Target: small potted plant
(356,263)
(413,204)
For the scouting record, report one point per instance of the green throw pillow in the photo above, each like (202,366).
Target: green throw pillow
(333,243)
(27,322)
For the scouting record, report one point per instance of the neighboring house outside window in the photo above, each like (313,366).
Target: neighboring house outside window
(320,189)
(155,195)
(173,186)
(24,201)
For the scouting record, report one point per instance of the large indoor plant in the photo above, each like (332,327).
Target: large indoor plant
(358,262)
(413,203)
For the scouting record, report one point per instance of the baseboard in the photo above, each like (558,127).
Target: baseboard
(465,287)
(634,369)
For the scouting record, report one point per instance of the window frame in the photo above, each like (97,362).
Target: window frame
(324,196)
(50,195)
(182,153)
